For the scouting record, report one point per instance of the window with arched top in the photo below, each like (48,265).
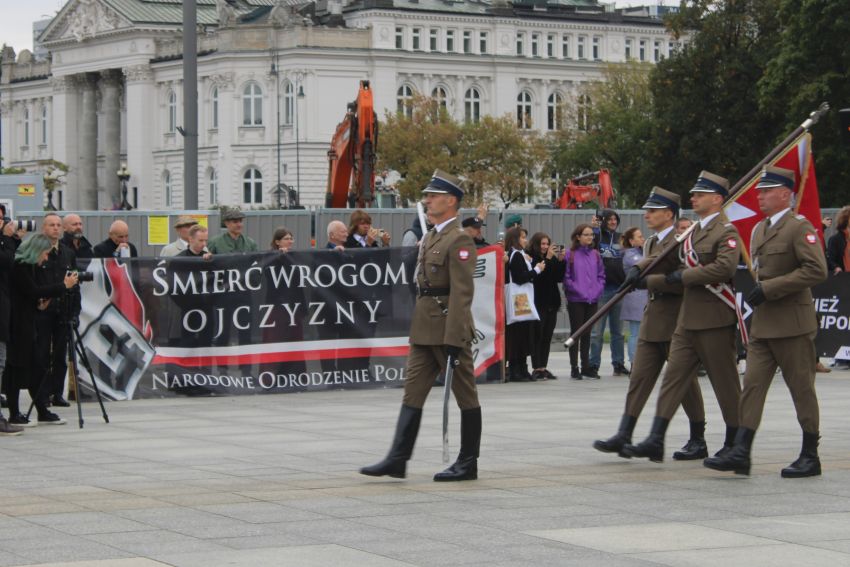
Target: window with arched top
(252,187)
(214,108)
(523,110)
(555,112)
(166,183)
(404,100)
(472,106)
(441,96)
(288,102)
(26,126)
(213,180)
(44,124)
(171,109)
(252,105)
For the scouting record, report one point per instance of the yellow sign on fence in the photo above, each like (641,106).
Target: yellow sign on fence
(158,230)
(26,190)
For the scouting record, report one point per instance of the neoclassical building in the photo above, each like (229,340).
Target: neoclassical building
(274,78)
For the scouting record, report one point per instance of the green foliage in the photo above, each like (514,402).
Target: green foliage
(706,107)
(812,65)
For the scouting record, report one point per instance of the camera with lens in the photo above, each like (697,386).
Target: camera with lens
(83,276)
(26,225)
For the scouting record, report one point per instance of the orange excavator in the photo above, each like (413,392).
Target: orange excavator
(594,187)
(351,158)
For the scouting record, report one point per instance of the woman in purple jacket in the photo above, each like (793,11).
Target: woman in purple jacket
(584,280)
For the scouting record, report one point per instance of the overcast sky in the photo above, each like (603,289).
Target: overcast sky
(16,22)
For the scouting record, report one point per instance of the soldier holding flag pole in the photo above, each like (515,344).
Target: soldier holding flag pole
(788,261)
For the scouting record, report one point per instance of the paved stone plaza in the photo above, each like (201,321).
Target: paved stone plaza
(272,480)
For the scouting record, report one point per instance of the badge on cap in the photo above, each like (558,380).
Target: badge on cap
(732,243)
(463,254)
(811,238)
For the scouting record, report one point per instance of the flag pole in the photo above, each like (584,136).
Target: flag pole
(742,184)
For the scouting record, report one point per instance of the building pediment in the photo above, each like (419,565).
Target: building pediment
(81,20)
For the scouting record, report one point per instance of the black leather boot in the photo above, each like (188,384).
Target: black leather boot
(395,463)
(622,437)
(808,463)
(652,447)
(736,459)
(695,448)
(728,442)
(466,465)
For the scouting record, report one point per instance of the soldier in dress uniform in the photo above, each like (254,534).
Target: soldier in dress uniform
(656,329)
(705,329)
(442,326)
(788,261)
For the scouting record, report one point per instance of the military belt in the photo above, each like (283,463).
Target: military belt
(433,291)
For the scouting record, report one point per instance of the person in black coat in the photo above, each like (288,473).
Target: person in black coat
(518,335)
(7,260)
(837,245)
(28,299)
(361,233)
(73,237)
(547,300)
(119,239)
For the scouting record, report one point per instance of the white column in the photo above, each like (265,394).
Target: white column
(227,105)
(112,137)
(63,134)
(87,159)
(140,100)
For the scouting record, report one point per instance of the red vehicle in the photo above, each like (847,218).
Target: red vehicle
(594,187)
(351,158)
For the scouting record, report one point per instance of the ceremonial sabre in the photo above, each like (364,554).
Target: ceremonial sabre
(447,394)
(741,185)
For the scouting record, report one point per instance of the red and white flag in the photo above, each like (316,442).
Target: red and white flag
(743,209)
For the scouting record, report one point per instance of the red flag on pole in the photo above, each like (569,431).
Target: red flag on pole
(744,211)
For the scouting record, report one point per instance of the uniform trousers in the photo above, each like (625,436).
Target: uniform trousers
(795,356)
(715,349)
(648,362)
(425,363)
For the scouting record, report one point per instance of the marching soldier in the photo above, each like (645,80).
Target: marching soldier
(788,261)
(705,330)
(656,329)
(442,327)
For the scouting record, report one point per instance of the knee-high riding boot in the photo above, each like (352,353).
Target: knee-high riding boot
(395,463)
(466,465)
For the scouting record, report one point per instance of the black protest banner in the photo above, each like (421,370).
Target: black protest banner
(263,323)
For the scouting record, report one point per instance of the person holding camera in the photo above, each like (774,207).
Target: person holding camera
(50,322)
(31,297)
(361,233)
(520,270)
(547,300)
(73,237)
(608,243)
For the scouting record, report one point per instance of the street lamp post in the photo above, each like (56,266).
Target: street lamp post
(300,95)
(124,175)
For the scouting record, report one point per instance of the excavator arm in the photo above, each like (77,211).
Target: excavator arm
(351,157)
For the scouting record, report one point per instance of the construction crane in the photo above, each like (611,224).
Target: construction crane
(351,158)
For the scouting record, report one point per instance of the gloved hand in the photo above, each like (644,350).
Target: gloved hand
(673,277)
(640,284)
(453,352)
(632,276)
(756,296)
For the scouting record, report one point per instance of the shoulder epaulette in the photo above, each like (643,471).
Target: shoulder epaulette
(728,224)
(800,217)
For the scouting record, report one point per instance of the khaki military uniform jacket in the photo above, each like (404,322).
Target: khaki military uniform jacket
(718,246)
(662,309)
(446,260)
(788,260)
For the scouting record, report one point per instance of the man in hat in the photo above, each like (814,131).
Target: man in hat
(182,227)
(232,240)
(442,328)
(788,261)
(656,330)
(705,329)
(472,226)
